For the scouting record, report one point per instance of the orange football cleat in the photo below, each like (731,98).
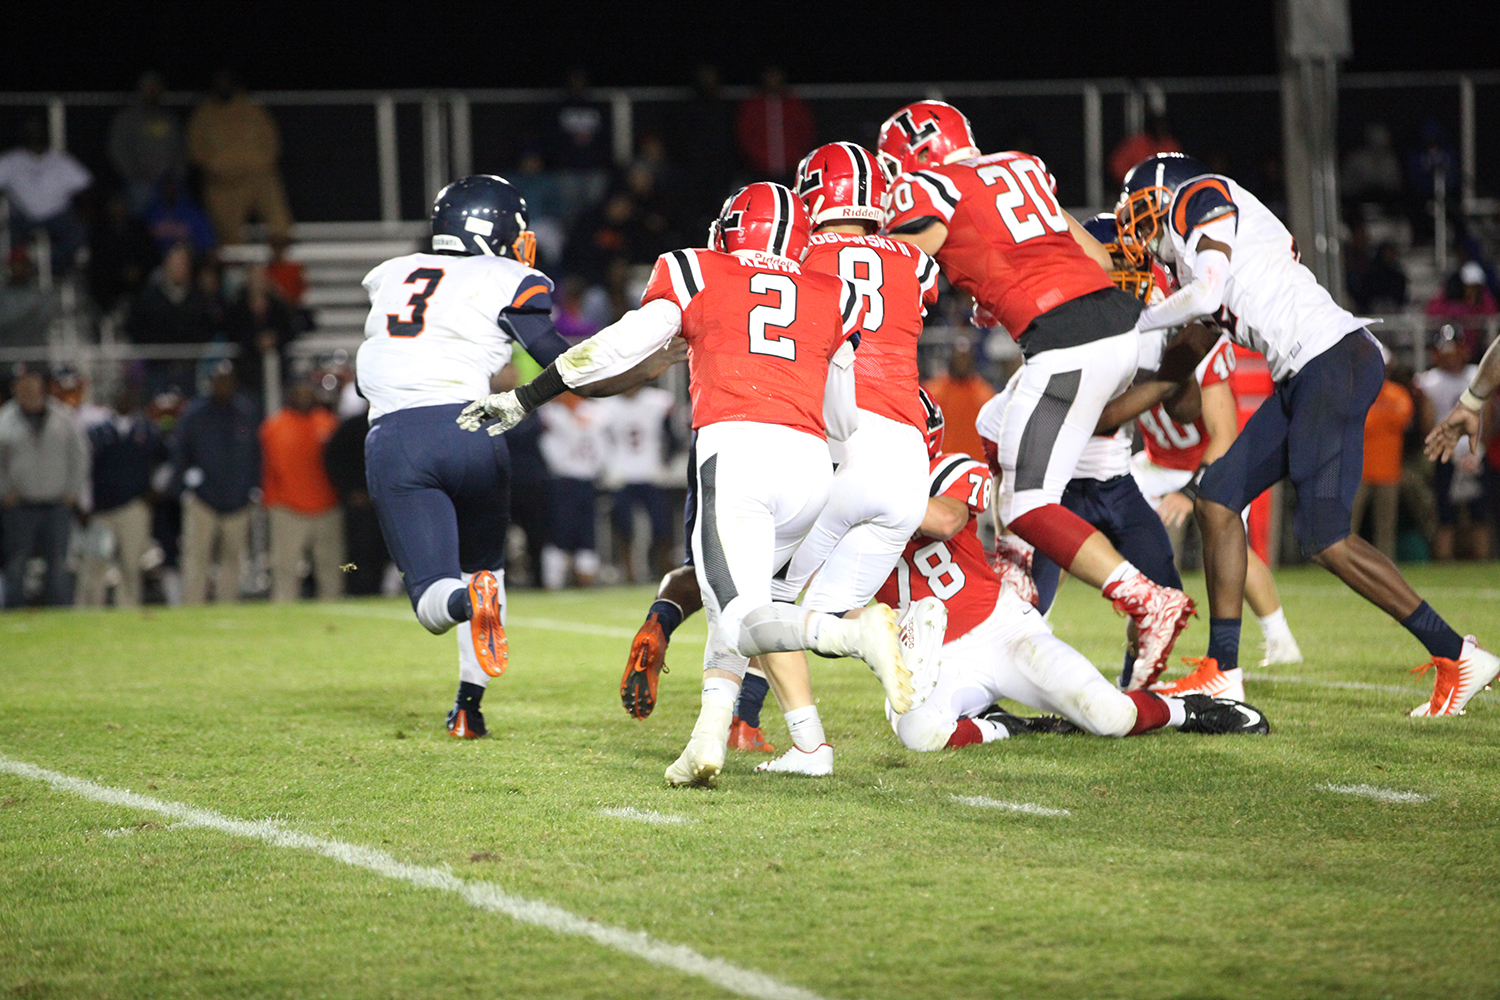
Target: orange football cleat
(1207,679)
(466,724)
(1458,680)
(743,736)
(648,654)
(490,645)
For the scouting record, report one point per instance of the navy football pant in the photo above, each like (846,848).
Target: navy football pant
(442,494)
(1117,509)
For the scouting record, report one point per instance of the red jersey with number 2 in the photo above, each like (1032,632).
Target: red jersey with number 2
(953,570)
(1181,446)
(1008,242)
(760,333)
(896,283)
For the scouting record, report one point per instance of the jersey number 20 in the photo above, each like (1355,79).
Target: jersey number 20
(394,325)
(1025,186)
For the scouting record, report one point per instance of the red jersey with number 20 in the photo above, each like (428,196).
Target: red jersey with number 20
(760,333)
(955,570)
(1176,446)
(1008,242)
(896,282)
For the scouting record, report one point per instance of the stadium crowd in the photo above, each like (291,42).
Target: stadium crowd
(181,488)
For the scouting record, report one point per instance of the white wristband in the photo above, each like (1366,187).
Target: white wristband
(1470,401)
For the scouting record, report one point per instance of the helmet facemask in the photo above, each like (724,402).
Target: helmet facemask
(1140,216)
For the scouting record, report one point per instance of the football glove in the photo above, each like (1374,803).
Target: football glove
(502,407)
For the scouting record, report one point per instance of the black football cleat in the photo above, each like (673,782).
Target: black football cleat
(466,723)
(1219,716)
(1016,725)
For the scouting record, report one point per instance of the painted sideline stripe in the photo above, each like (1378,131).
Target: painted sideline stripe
(523,621)
(644,816)
(481,895)
(1373,792)
(1411,692)
(1031,809)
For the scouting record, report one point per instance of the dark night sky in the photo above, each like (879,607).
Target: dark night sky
(276,44)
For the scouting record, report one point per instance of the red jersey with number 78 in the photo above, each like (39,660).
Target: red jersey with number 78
(760,333)
(953,570)
(1008,242)
(896,282)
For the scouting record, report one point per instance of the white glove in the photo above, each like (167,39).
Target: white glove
(503,407)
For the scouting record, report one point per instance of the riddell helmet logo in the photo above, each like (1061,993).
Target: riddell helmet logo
(914,135)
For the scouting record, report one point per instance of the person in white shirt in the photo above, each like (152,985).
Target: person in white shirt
(573,450)
(635,434)
(40,183)
(1457,484)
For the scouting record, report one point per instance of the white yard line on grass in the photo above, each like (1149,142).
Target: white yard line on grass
(523,621)
(1341,685)
(644,816)
(1030,809)
(481,895)
(1374,792)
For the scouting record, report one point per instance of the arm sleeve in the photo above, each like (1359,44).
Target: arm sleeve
(528,320)
(622,345)
(1200,297)
(920,199)
(927,278)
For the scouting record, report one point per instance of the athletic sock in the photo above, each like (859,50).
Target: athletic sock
(668,615)
(460,607)
(966,732)
(752,697)
(1273,625)
(1178,708)
(1151,712)
(990,731)
(1224,642)
(806,727)
(1434,633)
(1124,571)
(469,695)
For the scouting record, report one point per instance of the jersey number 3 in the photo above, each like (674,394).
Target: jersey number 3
(394,325)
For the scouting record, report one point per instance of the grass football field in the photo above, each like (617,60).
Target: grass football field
(257,801)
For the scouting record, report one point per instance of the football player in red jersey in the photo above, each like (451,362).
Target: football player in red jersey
(998,646)
(995,227)
(762,336)
(878,497)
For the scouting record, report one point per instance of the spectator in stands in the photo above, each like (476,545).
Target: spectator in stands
(304,509)
(544,202)
(261,323)
(774,127)
(1432,159)
(636,433)
(174,217)
(1155,138)
(364,545)
(960,392)
(41,183)
(1375,283)
(44,466)
(1371,173)
(574,319)
(1463,302)
(582,147)
(1380,487)
(145,143)
(121,255)
(172,309)
(1458,485)
(235,142)
(288,277)
(570,446)
(128,450)
(216,461)
(530,494)
(602,235)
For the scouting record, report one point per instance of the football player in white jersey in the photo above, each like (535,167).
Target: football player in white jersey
(1237,265)
(440,325)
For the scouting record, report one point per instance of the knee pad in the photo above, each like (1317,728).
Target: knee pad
(1106,711)
(921,729)
(771,628)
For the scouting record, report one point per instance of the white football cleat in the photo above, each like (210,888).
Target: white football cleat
(1281,649)
(703,758)
(880,647)
(1458,680)
(815,763)
(922,630)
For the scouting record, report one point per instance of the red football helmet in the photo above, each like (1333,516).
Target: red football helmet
(934,433)
(842,182)
(925,134)
(765,217)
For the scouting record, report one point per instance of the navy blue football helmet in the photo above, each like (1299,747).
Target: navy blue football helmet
(483,215)
(1103,228)
(1128,277)
(1147,197)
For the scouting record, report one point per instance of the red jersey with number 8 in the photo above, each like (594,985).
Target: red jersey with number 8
(760,333)
(896,282)
(953,570)
(1008,242)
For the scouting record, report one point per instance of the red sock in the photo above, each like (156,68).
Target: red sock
(1151,712)
(966,732)
(1057,532)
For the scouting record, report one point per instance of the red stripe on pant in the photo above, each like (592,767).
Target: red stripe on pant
(1057,532)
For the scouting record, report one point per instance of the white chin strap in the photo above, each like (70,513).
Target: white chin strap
(967,153)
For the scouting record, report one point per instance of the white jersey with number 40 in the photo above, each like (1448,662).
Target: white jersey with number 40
(433,334)
(1272,303)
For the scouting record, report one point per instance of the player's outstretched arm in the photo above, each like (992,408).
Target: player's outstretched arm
(1464,420)
(1200,297)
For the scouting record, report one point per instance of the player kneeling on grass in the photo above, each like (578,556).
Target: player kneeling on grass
(998,646)
(761,335)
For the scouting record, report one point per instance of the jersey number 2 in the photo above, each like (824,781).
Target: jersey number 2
(781,315)
(394,325)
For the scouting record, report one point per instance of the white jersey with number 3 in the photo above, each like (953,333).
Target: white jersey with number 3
(433,333)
